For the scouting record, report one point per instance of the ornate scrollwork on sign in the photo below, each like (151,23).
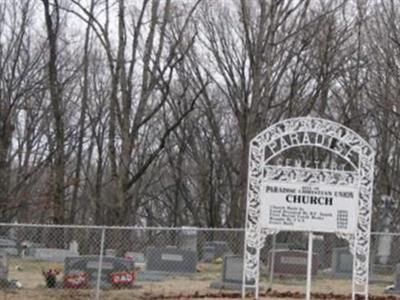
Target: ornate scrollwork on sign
(310,132)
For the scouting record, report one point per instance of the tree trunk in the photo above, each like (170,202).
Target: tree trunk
(57,110)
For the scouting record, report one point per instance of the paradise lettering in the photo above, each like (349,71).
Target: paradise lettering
(313,139)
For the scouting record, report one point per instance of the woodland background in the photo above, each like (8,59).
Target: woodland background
(140,112)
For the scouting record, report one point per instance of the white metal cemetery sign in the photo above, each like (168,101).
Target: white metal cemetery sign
(309,199)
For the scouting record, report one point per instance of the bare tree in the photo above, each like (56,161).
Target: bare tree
(52,18)
(21,81)
(82,119)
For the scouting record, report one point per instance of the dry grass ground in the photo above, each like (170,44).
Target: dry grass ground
(29,274)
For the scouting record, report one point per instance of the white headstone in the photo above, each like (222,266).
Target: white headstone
(384,245)
(188,238)
(74,246)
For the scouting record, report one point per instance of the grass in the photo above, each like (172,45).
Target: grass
(29,273)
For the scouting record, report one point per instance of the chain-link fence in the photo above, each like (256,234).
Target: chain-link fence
(89,262)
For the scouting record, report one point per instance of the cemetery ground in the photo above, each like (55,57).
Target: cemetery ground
(29,273)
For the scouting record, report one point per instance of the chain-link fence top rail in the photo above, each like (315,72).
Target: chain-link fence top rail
(39,260)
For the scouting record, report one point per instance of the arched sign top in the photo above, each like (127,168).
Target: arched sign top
(307,131)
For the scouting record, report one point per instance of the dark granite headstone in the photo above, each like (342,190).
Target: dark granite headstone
(89,265)
(293,262)
(9,246)
(171,260)
(397,281)
(232,274)
(320,250)
(3,265)
(233,269)
(282,246)
(342,262)
(215,249)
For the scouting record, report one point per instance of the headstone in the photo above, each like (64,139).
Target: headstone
(232,273)
(111,252)
(397,282)
(342,262)
(171,247)
(233,269)
(319,249)
(51,254)
(74,246)
(13,232)
(9,246)
(395,289)
(171,260)
(31,245)
(292,262)
(137,257)
(3,266)
(27,247)
(384,248)
(387,206)
(385,270)
(282,246)
(215,249)
(188,239)
(82,271)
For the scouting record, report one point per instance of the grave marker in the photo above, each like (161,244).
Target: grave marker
(397,282)
(342,262)
(137,257)
(282,246)
(188,239)
(215,249)
(111,252)
(292,262)
(51,254)
(320,249)
(395,289)
(74,246)
(9,246)
(3,266)
(83,271)
(171,260)
(232,273)
(387,208)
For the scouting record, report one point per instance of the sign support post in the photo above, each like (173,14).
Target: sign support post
(309,265)
(272,263)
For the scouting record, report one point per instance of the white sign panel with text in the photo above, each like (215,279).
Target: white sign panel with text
(308,207)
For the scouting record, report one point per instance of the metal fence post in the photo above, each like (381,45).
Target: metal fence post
(103,233)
